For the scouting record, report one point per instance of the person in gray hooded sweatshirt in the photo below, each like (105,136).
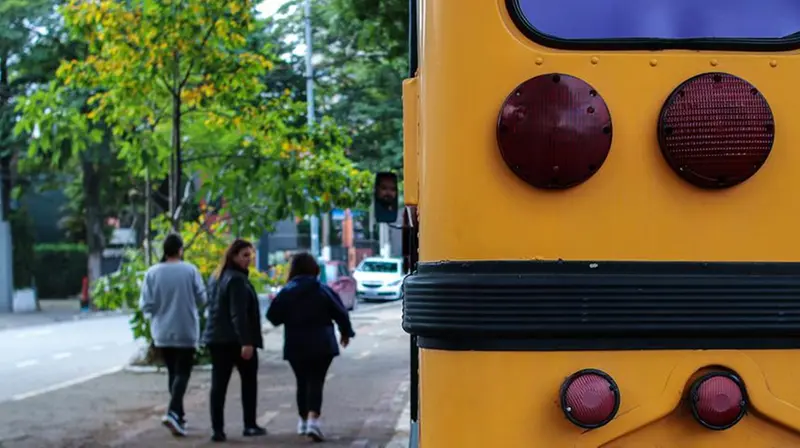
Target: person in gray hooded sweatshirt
(172,292)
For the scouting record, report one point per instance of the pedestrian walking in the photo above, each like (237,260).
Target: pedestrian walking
(232,335)
(172,292)
(307,309)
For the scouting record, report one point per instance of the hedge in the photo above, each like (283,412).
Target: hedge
(59,270)
(22,237)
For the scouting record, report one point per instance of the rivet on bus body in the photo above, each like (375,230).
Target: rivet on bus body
(653,62)
(773,63)
(714,62)
(595,60)
(539,61)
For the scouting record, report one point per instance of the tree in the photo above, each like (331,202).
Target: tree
(359,67)
(27,56)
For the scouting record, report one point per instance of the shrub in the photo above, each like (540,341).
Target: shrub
(24,256)
(205,244)
(59,269)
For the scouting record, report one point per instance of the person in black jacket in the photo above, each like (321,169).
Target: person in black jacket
(232,335)
(307,309)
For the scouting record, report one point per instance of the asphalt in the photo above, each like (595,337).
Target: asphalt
(365,396)
(42,357)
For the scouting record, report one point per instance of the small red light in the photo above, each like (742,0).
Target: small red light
(590,398)
(716,130)
(718,400)
(554,131)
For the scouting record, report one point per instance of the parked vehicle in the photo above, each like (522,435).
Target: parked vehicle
(339,279)
(379,278)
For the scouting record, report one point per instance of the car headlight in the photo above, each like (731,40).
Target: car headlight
(396,282)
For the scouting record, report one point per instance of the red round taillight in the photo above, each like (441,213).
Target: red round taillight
(718,400)
(554,131)
(716,130)
(590,398)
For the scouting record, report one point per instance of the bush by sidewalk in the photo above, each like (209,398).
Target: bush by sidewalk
(59,270)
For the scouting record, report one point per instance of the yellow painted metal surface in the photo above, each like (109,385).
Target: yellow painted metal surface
(473,207)
(634,207)
(510,400)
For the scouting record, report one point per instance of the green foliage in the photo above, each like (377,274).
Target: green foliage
(24,258)
(360,62)
(60,269)
(205,242)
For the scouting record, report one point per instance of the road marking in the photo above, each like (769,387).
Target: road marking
(265,419)
(376,345)
(363,354)
(62,355)
(29,333)
(285,406)
(65,384)
(27,363)
(329,376)
(96,348)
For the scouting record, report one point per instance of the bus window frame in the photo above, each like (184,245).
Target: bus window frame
(623,44)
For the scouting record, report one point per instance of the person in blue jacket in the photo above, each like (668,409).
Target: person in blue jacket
(307,309)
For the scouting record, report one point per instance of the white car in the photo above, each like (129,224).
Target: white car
(379,278)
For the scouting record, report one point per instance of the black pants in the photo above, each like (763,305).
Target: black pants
(179,362)
(223,359)
(310,375)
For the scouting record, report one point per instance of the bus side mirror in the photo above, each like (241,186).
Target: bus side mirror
(385,197)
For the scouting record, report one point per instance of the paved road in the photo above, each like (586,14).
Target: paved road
(37,359)
(366,392)
(42,357)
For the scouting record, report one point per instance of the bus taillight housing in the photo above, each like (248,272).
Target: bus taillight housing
(718,400)
(716,130)
(554,131)
(590,398)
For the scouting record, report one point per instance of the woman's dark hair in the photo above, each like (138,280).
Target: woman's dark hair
(237,246)
(303,263)
(172,246)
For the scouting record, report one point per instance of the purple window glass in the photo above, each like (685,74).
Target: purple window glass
(665,19)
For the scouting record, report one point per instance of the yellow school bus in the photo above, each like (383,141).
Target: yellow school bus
(608,204)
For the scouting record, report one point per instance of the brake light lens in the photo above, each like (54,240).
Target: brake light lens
(718,400)
(716,130)
(554,131)
(590,398)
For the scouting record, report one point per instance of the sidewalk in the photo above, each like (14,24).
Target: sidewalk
(52,311)
(365,395)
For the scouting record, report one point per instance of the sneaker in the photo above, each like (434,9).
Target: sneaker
(255,431)
(302,427)
(314,432)
(173,423)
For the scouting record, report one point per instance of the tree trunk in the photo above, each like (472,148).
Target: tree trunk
(5,153)
(176,167)
(95,237)
(148,206)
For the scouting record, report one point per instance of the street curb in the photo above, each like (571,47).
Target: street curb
(158,369)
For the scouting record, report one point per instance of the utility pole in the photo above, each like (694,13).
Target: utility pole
(310,115)
(6,260)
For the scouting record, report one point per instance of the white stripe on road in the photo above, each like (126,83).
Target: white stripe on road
(96,348)
(27,363)
(65,384)
(29,333)
(62,355)
(363,354)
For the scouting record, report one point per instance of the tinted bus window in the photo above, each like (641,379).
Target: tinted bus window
(664,19)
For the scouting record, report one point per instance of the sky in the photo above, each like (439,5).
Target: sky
(268,7)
